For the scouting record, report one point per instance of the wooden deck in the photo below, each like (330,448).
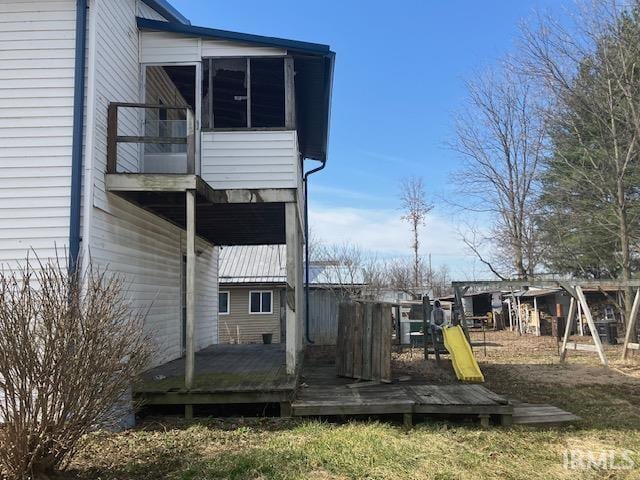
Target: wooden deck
(224,374)
(242,374)
(328,395)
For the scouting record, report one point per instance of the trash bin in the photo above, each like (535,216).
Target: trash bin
(266,338)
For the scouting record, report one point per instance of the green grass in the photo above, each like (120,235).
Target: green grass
(290,449)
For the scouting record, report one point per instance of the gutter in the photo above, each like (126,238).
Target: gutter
(306,249)
(78,134)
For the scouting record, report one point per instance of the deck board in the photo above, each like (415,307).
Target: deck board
(223,374)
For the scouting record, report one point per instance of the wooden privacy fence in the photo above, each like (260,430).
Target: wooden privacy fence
(363,349)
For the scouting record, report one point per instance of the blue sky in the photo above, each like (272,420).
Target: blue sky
(400,72)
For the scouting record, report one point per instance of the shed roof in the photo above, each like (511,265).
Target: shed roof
(260,264)
(252,264)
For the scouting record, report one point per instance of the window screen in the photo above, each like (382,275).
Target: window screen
(267,92)
(243,93)
(229,95)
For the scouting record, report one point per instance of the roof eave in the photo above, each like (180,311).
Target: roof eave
(168,11)
(187,29)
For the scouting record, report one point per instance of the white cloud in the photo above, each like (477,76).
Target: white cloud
(384,232)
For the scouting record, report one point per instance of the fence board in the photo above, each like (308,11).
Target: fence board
(364,341)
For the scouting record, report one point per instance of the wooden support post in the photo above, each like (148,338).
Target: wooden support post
(631,324)
(191,283)
(535,309)
(426,314)
(285,409)
(407,420)
(290,93)
(191,142)
(506,420)
(511,313)
(112,134)
(291,234)
(567,328)
(592,326)
(484,420)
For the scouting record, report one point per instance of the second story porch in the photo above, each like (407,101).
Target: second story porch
(241,112)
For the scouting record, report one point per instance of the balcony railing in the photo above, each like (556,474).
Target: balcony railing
(163,152)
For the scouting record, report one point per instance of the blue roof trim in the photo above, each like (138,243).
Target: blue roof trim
(168,11)
(304,47)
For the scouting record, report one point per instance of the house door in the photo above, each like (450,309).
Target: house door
(183,304)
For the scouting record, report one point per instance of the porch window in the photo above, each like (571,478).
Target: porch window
(223,303)
(243,93)
(260,302)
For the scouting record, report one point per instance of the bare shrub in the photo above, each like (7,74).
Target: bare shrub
(70,347)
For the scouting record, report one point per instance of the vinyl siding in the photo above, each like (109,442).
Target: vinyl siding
(117,79)
(251,326)
(162,47)
(37,53)
(226,48)
(170,47)
(147,252)
(250,159)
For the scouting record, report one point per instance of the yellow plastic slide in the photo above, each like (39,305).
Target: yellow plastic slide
(464,363)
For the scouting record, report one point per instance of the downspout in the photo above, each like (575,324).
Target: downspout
(78,134)
(306,249)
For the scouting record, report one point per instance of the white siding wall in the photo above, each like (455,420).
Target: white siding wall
(170,47)
(117,75)
(148,252)
(37,52)
(250,159)
(137,244)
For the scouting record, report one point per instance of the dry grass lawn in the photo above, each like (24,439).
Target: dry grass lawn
(524,368)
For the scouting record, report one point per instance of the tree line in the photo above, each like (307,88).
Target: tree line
(550,137)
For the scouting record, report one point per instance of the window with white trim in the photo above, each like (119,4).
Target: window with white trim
(223,303)
(260,301)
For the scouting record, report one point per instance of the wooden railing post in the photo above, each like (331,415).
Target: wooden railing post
(191,142)
(112,138)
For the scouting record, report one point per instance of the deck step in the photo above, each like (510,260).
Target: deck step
(530,413)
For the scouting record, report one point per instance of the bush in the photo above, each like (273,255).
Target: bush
(70,346)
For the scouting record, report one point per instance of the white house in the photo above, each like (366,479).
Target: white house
(133,138)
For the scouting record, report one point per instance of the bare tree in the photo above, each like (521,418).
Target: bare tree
(415,207)
(341,268)
(70,347)
(501,140)
(401,275)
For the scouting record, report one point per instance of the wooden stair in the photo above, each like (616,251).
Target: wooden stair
(532,414)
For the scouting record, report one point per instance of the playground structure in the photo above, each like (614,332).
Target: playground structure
(575,290)
(462,359)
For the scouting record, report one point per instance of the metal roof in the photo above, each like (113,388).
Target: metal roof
(259,264)
(314,65)
(252,264)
